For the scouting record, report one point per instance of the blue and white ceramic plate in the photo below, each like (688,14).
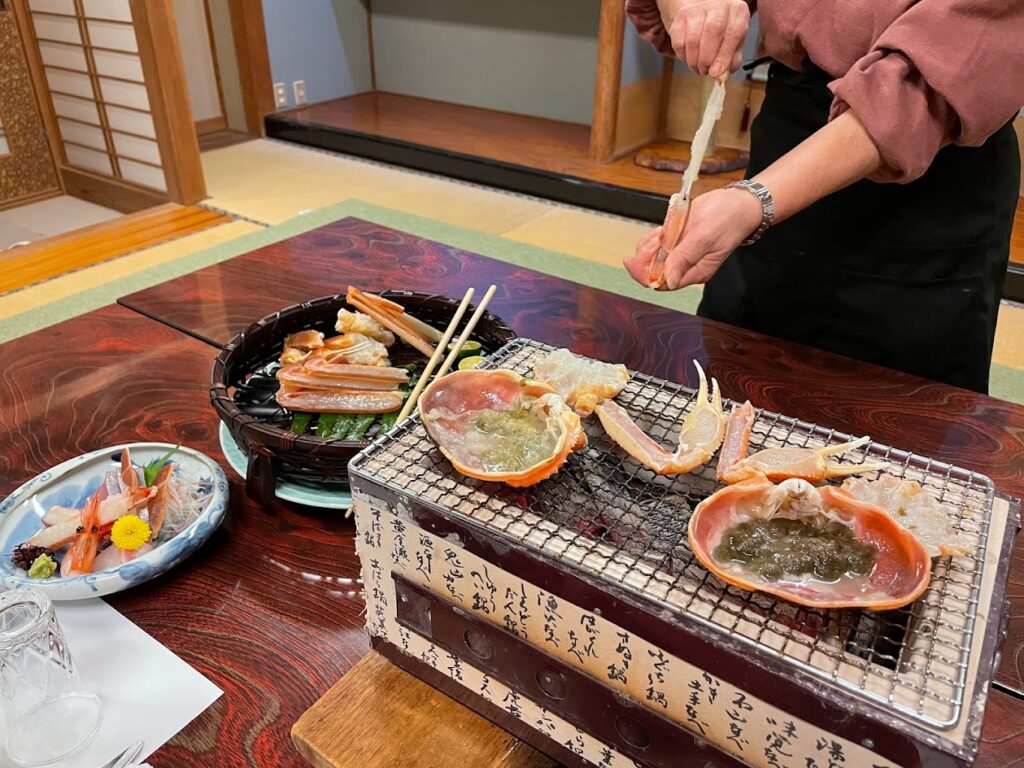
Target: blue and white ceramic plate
(70,485)
(310,494)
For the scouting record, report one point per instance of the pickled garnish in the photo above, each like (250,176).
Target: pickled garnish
(519,439)
(780,548)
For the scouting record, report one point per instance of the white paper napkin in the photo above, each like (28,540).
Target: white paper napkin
(145,690)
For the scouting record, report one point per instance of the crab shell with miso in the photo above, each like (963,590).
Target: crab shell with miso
(901,567)
(501,427)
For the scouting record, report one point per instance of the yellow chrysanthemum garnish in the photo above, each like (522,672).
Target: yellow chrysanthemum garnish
(130,532)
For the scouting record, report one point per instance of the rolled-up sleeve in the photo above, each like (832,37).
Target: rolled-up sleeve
(945,71)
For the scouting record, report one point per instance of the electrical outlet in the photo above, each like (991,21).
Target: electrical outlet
(280,95)
(299,89)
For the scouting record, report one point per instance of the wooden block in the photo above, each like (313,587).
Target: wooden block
(379,715)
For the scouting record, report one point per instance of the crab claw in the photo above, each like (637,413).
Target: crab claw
(699,436)
(811,464)
(737,437)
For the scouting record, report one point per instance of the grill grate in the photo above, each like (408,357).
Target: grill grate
(605,514)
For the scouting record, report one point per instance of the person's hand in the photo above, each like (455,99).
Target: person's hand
(719,221)
(707,34)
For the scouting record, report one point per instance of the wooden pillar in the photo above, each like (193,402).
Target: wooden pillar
(164,73)
(609,79)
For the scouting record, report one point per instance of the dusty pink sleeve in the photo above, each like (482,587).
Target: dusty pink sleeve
(946,71)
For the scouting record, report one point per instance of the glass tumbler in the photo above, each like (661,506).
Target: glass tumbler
(47,713)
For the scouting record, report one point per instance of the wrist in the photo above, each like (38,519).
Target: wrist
(748,211)
(758,209)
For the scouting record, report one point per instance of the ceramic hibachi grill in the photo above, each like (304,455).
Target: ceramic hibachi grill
(574,614)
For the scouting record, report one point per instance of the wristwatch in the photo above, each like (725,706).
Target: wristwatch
(760,191)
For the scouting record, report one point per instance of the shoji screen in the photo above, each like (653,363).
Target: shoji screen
(90,56)
(116,85)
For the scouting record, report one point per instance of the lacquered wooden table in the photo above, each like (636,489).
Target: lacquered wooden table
(950,424)
(268,609)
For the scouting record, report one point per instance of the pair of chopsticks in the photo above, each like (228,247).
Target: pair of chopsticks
(453,355)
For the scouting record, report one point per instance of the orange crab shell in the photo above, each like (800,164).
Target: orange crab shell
(467,391)
(902,564)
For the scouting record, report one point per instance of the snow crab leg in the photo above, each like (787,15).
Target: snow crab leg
(811,464)
(699,436)
(393,317)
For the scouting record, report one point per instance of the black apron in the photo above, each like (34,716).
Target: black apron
(908,276)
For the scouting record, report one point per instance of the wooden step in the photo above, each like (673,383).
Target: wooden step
(380,715)
(84,247)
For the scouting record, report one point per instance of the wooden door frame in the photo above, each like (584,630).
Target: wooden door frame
(248,30)
(219,123)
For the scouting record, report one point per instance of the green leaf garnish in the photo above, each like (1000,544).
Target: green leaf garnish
(151,470)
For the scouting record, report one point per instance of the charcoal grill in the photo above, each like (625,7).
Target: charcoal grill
(574,614)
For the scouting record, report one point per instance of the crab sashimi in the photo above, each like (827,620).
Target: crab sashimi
(811,464)
(499,426)
(817,547)
(111,509)
(581,382)
(133,509)
(915,509)
(158,502)
(699,436)
(112,557)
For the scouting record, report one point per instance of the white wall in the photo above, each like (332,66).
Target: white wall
(322,42)
(197,55)
(536,57)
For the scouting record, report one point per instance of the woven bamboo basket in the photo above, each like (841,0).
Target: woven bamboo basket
(274,452)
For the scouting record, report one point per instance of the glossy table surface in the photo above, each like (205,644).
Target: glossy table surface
(268,610)
(946,423)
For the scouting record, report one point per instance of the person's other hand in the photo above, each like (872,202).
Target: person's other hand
(707,34)
(718,222)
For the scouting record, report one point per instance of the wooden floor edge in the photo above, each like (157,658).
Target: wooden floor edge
(58,255)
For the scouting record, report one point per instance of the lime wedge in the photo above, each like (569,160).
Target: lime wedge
(469,349)
(469,363)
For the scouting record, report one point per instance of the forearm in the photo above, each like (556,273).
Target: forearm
(833,157)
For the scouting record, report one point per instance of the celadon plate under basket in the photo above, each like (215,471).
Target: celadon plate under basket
(297,491)
(70,485)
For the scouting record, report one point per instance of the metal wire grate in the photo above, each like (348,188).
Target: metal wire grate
(607,515)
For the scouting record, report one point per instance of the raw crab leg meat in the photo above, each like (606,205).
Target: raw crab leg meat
(679,204)
(811,464)
(339,400)
(699,437)
(320,374)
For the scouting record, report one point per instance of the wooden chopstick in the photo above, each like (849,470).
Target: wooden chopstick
(435,358)
(470,326)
